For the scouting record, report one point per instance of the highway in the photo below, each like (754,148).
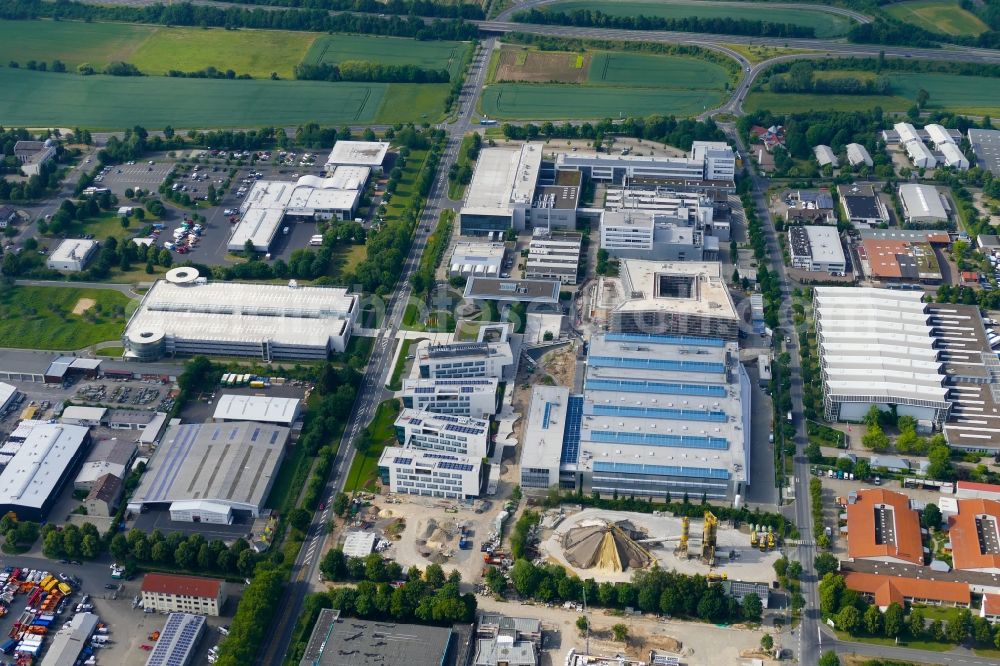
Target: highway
(830,9)
(306,566)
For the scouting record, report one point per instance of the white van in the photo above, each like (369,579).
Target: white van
(316,240)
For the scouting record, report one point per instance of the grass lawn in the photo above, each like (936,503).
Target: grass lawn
(389,51)
(941,16)
(939,613)
(364,469)
(114,352)
(70,41)
(292,474)
(253,52)
(615,68)
(456,190)
(930,646)
(42,317)
(554,101)
(108,102)
(104,225)
(396,381)
(346,258)
(411,318)
(824,23)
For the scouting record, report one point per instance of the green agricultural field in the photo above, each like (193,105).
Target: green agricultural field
(253,52)
(824,23)
(555,101)
(71,42)
(974,95)
(97,102)
(652,71)
(389,51)
(941,16)
(42,317)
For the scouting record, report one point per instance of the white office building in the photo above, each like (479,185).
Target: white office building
(185,315)
(429,474)
(876,348)
(717,158)
(922,204)
(490,356)
(483,259)
(545,428)
(554,255)
(858,154)
(444,433)
(825,156)
(72,255)
(271,205)
(817,248)
(368,154)
(692,209)
(502,190)
(708,161)
(475,397)
(642,234)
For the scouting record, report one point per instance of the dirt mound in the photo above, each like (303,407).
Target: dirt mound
(607,546)
(429,527)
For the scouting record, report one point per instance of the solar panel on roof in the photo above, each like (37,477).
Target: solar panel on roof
(662,388)
(661,413)
(651,439)
(463,429)
(655,364)
(660,470)
(402,461)
(462,467)
(570,451)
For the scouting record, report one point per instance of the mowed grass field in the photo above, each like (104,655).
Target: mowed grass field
(72,42)
(107,102)
(942,16)
(388,50)
(824,23)
(628,84)
(975,95)
(42,317)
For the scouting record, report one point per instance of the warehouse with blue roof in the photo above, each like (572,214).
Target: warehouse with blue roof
(658,415)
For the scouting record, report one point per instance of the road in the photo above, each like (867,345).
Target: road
(848,13)
(306,566)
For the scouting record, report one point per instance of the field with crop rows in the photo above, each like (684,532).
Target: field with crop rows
(653,71)
(542,101)
(824,23)
(943,16)
(388,50)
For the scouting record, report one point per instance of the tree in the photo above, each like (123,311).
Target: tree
(829,659)
(582,625)
(872,416)
(862,470)
(496,581)
(90,547)
(300,519)
(848,619)
(752,607)
(922,98)
(931,516)
(875,438)
(118,547)
(825,563)
(873,620)
(620,632)
(830,588)
(893,620)
(981,630)
(766,642)
(915,623)
(340,504)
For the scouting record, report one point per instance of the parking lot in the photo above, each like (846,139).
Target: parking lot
(123,395)
(131,176)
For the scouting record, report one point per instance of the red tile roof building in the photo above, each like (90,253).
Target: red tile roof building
(882,526)
(884,590)
(975,536)
(183,594)
(973,490)
(991,607)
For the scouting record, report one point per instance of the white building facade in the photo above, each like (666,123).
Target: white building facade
(443,433)
(414,472)
(475,397)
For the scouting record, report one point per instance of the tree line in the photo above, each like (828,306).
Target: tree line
(359,70)
(463,10)
(188,553)
(665,129)
(724,26)
(186,14)
(801,79)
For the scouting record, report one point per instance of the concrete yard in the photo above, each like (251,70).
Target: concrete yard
(749,564)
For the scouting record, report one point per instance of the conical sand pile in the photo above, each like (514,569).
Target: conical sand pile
(605,546)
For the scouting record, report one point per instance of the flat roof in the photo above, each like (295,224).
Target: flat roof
(73,249)
(80,412)
(396,455)
(449,386)
(7,392)
(236,311)
(899,259)
(356,642)
(259,408)
(229,463)
(504,177)
(178,640)
(881,524)
(358,153)
(473,254)
(358,544)
(349,177)
(424,419)
(498,289)
(69,641)
(41,460)
(986,144)
(822,244)
(545,424)
(709,294)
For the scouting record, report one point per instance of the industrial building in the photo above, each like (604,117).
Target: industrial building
(817,249)
(102,500)
(883,527)
(710,163)
(913,143)
(475,397)
(876,348)
(63,368)
(554,205)
(108,456)
(178,640)
(862,205)
(491,355)
(257,408)
(356,642)
(173,593)
(899,261)
(185,315)
(72,255)
(642,234)
(271,203)
(68,643)
(204,472)
(986,146)
(470,259)
(922,204)
(502,190)
(952,156)
(686,209)
(652,421)
(33,154)
(412,471)
(825,156)
(554,255)
(367,154)
(858,154)
(674,298)
(542,292)
(973,490)
(38,460)
(8,396)
(810,207)
(84,416)
(445,433)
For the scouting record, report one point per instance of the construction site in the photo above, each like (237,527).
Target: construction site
(611,545)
